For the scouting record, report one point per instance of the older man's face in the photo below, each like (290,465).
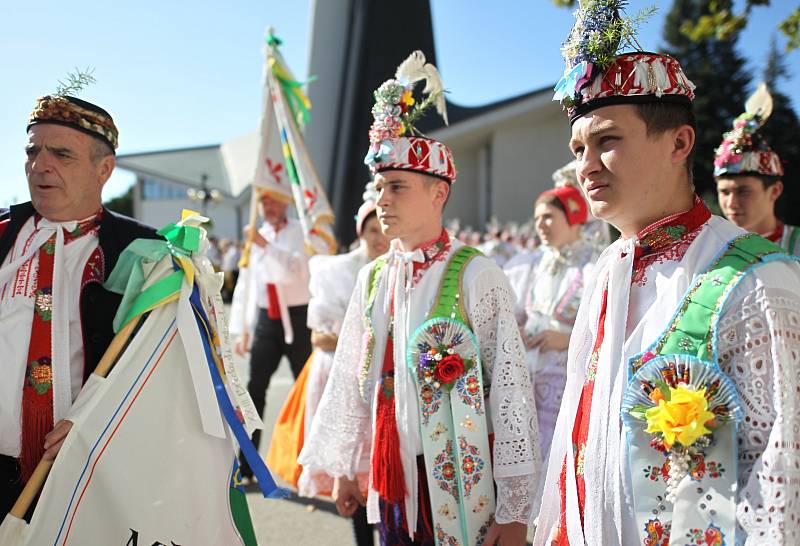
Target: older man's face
(65,174)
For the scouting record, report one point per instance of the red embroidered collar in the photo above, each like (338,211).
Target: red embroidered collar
(776,235)
(668,239)
(82,227)
(434,250)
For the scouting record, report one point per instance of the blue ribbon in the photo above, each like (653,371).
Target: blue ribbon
(385,150)
(567,86)
(265,481)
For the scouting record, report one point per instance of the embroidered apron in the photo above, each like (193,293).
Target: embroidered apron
(444,357)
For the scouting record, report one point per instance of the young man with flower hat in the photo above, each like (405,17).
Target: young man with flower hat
(429,359)
(748,175)
(680,422)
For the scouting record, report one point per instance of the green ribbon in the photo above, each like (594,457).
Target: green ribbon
(292,89)
(273,40)
(128,276)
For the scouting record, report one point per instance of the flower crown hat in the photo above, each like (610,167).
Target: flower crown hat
(394,142)
(743,150)
(597,75)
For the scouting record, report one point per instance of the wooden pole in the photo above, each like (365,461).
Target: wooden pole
(39,476)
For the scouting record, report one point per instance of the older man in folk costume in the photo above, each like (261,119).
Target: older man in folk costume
(680,422)
(270,302)
(429,329)
(549,291)
(749,176)
(57,251)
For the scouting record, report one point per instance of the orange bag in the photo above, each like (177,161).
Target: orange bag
(288,435)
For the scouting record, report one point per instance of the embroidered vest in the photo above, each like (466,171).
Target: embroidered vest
(681,412)
(444,357)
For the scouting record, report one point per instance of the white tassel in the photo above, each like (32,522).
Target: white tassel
(661,77)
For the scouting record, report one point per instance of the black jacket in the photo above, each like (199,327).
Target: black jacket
(98,305)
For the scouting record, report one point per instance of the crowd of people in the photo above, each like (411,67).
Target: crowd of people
(465,388)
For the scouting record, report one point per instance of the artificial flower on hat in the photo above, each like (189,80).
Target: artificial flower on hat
(597,74)
(394,141)
(743,150)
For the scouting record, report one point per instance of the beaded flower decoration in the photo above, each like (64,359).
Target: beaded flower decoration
(682,401)
(443,354)
(396,110)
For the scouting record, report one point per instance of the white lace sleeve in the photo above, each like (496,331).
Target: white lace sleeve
(759,347)
(511,406)
(340,431)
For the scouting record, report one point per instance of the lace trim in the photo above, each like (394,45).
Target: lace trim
(511,396)
(759,347)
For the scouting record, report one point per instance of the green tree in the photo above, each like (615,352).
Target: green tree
(719,73)
(782,132)
(122,204)
(722,21)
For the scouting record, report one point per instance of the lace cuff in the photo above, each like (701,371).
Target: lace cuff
(514,499)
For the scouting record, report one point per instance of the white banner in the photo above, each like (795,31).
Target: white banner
(137,468)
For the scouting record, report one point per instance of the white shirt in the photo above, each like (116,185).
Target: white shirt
(282,262)
(16,317)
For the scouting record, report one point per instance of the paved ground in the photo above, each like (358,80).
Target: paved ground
(296,521)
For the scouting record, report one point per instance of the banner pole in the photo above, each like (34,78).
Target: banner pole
(39,476)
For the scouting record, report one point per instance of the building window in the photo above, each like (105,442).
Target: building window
(154,189)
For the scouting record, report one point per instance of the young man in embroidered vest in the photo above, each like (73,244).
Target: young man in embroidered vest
(56,251)
(270,301)
(429,327)
(748,175)
(679,416)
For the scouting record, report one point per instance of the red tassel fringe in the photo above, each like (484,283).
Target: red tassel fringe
(387,473)
(37,422)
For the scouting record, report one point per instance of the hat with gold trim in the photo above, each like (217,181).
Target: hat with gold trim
(77,114)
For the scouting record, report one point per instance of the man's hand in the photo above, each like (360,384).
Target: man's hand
(347,496)
(324,342)
(507,534)
(549,340)
(55,438)
(258,240)
(242,344)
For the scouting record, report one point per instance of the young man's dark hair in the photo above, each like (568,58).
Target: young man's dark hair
(663,116)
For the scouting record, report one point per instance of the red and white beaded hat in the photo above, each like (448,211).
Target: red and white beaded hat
(596,75)
(743,150)
(394,141)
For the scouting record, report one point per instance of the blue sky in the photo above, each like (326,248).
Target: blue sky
(178,74)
